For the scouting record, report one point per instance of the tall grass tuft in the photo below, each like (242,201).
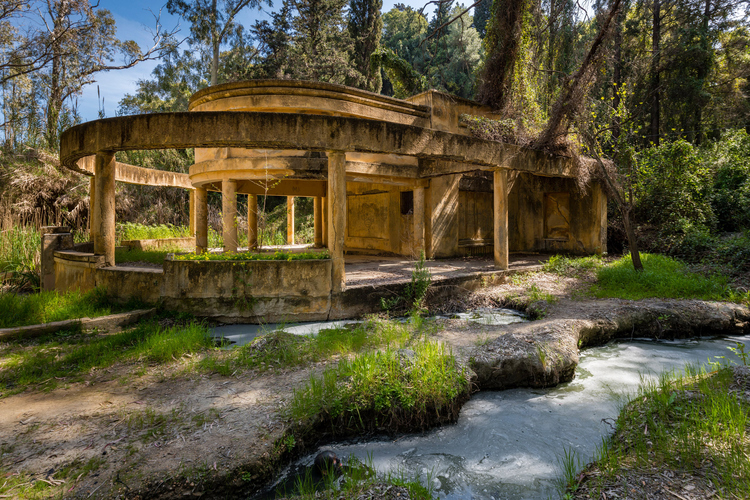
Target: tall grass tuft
(393,389)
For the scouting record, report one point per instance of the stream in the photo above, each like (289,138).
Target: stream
(507,444)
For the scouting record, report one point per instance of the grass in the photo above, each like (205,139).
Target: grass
(662,277)
(566,266)
(46,307)
(68,355)
(284,350)
(20,248)
(390,388)
(682,423)
(133,231)
(253,256)
(135,255)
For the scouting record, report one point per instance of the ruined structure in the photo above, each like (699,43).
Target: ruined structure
(388,176)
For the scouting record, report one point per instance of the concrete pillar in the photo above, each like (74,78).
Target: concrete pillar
(92,202)
(252,221)
(429,254)
(201,220)
(104,208)
(229,214)
(191,208)
(324,221)
(419,220)
(318,221)
(337,217)
(290,220)
(54,238)
(500,216)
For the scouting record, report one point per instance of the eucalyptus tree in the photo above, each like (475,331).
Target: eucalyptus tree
(211,23)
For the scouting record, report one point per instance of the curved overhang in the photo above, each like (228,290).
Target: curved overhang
(220,129)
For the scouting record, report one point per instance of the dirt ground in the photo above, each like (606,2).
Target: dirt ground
(132,429)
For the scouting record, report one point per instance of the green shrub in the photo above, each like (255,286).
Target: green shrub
(730,157)
(673,185)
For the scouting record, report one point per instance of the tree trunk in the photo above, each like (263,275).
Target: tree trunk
(216,42)
(703,70)
(655,78)
(617,73)
(632,239)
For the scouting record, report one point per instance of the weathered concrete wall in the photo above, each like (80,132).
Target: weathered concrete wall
(76,270)
(126,283)
(54,238)
(446,110)
(260,291)
(442,205)
(550,215)
(187,244)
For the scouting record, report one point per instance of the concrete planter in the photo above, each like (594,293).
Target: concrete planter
(256,291)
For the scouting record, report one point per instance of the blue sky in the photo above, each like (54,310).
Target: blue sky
(134,19)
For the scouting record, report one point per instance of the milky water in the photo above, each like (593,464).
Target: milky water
(241,334)
(507,444)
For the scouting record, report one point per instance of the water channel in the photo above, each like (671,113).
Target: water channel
(506,445)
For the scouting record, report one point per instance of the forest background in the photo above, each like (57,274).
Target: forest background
(658,89)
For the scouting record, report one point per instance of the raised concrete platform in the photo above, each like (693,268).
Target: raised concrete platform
(363,270)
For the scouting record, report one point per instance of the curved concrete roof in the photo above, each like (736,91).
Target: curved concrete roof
(311,132)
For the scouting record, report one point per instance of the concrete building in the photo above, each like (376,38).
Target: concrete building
(388,177)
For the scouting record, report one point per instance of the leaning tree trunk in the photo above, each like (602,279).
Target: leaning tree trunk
(575,89)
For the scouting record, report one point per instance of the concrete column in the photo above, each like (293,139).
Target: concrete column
(92,202)
(192,212)
(54,238)
(318,221)
(500,216)
(252,221)
(429,254)
(290,220)
(201,220)
(104,208)
(324,221)
(419,220)
(337,217)
(229,214)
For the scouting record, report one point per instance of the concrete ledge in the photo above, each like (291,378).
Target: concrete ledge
(112,323)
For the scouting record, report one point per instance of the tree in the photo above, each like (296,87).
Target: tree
(502,43)
(273,43)
(212,21)
(321,44)
(83,42)
(365,29)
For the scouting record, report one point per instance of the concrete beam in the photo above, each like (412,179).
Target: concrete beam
(132,174)
(215,129)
